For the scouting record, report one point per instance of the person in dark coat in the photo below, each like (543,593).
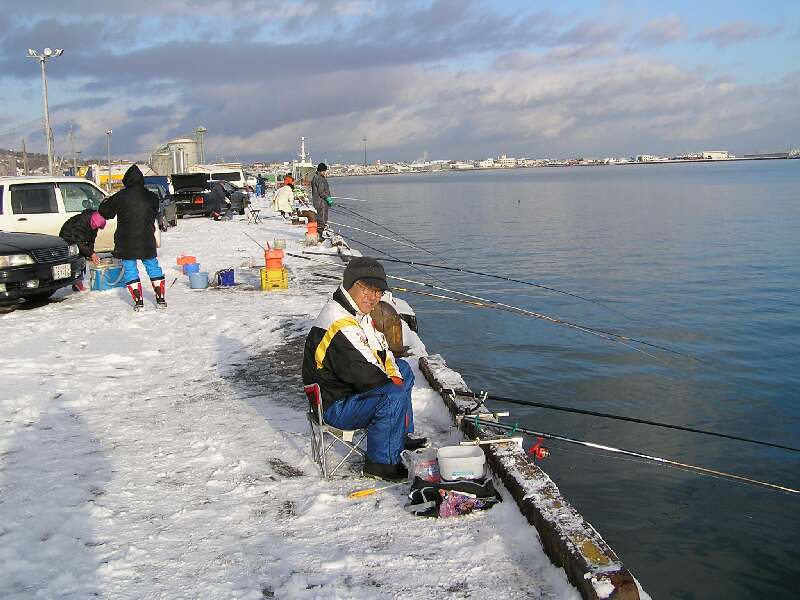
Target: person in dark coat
(216,200)
(135,208)
(81,230)
(321,197)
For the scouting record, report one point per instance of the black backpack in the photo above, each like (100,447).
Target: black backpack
(451,498)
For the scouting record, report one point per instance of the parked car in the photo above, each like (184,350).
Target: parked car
(34,265)
(239,198)
(167,211)
(42,204)
(188,192)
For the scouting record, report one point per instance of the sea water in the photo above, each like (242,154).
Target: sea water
(701,258)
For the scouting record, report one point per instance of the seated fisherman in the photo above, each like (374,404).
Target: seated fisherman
(362,384)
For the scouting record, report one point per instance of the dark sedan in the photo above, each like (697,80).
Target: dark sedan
(167,210)
(33,266)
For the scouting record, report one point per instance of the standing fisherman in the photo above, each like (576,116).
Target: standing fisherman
(321,197)
(135,208)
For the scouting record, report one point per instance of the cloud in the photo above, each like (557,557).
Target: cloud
(456,78)
(661,31)
(734,33)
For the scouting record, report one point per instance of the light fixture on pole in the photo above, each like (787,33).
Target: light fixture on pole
(108,183)
(201,142)
(48,135)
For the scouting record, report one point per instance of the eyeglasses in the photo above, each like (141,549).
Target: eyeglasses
(369,289)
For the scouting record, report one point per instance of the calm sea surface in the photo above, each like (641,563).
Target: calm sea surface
(703,258)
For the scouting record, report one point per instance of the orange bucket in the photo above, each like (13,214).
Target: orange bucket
(311,227)
(274,259)
(186,260)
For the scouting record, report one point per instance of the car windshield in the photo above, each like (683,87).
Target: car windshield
(78,196)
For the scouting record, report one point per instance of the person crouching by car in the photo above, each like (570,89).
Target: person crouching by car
(135,208)
(217,201)
(81,230)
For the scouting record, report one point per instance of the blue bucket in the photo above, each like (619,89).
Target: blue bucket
(225,278)
(191,268)
(198,281)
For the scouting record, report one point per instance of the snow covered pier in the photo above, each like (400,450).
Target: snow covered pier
(165,454)
(569,541)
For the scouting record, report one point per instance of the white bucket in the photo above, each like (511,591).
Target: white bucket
(461,462)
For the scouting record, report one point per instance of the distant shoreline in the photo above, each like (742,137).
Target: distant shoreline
(561,166)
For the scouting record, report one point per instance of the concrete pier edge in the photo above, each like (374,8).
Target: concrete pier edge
(567,538)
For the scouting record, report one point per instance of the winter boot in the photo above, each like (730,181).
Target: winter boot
(135,288)
(159,288)
(78,286)
(386,472)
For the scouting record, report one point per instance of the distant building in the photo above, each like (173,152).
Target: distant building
(175,156)
(716,154)
(506,161)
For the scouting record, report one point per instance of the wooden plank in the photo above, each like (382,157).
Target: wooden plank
(567,538)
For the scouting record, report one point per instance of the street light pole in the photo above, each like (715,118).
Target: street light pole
(365,153)
(108,183)
(42,58)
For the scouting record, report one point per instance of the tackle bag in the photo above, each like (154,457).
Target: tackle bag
(451,498)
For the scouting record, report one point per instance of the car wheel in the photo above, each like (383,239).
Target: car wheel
(180,216)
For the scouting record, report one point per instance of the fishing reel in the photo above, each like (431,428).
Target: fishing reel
(537,451)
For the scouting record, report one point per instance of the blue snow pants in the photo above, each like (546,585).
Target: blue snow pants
(151,265)
(384,411)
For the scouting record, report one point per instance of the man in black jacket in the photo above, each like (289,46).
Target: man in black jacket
(321,197)
(135,208)
(81,230)
(362,384)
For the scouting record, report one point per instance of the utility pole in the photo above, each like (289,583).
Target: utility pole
(72,145)
(48,134)
(365,153)
(24,158)
(108,183)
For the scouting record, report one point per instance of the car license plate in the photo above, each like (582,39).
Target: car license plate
(62,271)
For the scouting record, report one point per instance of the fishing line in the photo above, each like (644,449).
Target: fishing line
(657,459)
(591,413)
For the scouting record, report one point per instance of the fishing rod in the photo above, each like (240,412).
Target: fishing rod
(383,252)
(487,303)
(468,271)
(485,396)
(392,231)
(666,461)
(504,278)
(373,233)
(471,272)
(608,335)
(346,198)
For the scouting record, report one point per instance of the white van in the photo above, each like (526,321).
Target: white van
(41,204)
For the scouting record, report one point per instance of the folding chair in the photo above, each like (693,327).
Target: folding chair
(324,437)
(253,215)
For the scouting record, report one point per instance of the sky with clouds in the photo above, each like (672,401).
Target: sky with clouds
(455,79)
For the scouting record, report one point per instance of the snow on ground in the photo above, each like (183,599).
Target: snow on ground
(165,454)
